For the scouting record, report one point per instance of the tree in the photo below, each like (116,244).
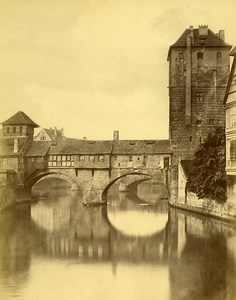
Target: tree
(207,177)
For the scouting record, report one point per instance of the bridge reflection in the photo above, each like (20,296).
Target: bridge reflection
(62,229)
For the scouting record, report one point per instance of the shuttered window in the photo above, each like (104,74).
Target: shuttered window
(233,150)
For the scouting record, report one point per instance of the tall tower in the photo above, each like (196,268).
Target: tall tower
(198,73)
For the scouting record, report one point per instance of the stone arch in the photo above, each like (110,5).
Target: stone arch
(105,190)
(44,175)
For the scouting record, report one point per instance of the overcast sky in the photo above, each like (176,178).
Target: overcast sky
(94,66)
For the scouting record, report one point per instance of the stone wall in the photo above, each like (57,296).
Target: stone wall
(209,207)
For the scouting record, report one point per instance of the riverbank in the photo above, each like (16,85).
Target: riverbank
(223,211)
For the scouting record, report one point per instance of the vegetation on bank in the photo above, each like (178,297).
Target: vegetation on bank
(207,176)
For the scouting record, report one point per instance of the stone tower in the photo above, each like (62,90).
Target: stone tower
(198,73)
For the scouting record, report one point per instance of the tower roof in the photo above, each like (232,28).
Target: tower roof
(201,36)
(20,118)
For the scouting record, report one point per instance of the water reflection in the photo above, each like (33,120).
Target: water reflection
(58,249)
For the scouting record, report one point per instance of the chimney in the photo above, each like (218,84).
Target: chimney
(221,35)
(203,30)
(85,138)
(55,131)
(62,131)
(16,145)
(191,35)
(116,135)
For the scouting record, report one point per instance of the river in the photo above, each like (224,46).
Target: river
(136,247)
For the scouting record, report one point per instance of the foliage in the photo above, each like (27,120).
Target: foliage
(207,176)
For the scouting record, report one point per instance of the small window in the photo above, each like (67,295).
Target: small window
(91,158)
(21,129)
(211,121)
(8,129)
(130,158)
(190,139)
(82,158)
(68,158)
(181,56)
(63,157)
(14,129)
(58,158)
(199,122)
(200,55)
(54,158)
(101,158)
(199,98)
(219,55)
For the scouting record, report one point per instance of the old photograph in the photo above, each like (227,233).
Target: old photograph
(117,150)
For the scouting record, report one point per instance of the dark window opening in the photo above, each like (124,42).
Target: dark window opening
(211,121)
(199,122)
(200,55)
(219,55)
(190,139)
(8,129)
(21,129)
(14,129)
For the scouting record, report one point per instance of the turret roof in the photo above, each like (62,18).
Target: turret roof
(20,118)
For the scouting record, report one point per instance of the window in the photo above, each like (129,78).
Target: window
(91,158)
(130,158)
(21,129)
(63,157)
(199,55)
(101,158)
(181,56)
(54,157)
(211,121)
(82,158)
(199,98)
(190,139)
(199,122)
(8,129)
(233,149)
(59,158)
(219,55)
(68,158)
(14,129)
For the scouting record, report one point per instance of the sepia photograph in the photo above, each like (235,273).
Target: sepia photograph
(117,150)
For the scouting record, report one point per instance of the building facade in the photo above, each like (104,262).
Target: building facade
(198,74)
(230,106)
(17,138)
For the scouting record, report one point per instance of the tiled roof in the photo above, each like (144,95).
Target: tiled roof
(51,132)
(141,147)
(209,40)
(75,146)
(20,118)
(38,148)
(7,146)
(186,166)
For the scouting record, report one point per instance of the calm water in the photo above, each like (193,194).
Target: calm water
(59,249)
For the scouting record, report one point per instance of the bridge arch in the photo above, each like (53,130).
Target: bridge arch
(105,190)
(46,175)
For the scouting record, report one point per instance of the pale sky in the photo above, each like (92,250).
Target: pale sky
(94,66)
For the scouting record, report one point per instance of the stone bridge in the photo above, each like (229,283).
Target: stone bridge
(94,184)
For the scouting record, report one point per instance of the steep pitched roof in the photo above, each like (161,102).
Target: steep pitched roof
(232,73)
(38,148)
(75,146)
(142,147)
(20,118)
(209,40)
